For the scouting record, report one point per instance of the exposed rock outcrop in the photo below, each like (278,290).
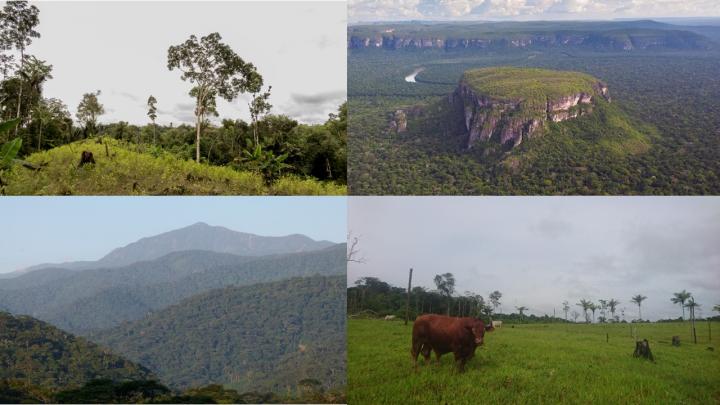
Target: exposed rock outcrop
(638,39)
(511,120)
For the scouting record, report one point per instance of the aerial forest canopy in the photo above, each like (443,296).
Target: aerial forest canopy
(272,148)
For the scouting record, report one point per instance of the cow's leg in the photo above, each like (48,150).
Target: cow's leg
(415,351)
(460,361)
(426,353)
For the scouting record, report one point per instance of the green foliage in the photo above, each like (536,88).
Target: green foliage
(8,152)
(264,336)
(112,392)
(128,172)
(538,363)
(265,162)
(41,355)
(533,86)
(654,138)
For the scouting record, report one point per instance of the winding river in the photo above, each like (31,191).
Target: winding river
(411,77)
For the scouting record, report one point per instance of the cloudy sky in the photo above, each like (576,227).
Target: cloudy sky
(396,10)
(541,251)
(121,48)
(55,230)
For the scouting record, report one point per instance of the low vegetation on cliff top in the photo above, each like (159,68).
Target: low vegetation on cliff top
(124,168)
(534,86)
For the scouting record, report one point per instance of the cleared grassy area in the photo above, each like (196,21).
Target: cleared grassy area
(539,364)
(121,169)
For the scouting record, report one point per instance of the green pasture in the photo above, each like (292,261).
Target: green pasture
(538,364)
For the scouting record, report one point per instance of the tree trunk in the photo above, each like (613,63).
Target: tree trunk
(22,64)
(154,130)
(40,136)
(197,138)
(642,349)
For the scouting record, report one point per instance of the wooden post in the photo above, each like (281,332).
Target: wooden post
(407,307)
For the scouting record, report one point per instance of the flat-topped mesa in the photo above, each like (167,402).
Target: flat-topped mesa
(510,104)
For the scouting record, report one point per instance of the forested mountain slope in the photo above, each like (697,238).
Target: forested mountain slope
(264,336)
(42,355)
(98,299)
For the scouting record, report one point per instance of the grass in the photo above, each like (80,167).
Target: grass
(531,85)
(126,171)
(540,363)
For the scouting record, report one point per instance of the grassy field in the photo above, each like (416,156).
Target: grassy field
(543,363)
(121,169)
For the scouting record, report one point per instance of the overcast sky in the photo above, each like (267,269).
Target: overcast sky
(395,10)
(54,230)
(540,252)
(121,48)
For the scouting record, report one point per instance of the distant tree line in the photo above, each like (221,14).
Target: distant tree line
(371,296)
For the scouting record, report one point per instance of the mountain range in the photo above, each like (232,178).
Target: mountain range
(248,311)
(199,236)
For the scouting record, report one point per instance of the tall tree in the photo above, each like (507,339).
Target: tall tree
(48,110)
(612,304)
(89,110)
(446,284)
(495,299)
(259,106)
(603,309)
(152,113)
(638,299)
(521,310)
(680,298)
(566,308)
(691,304)
(593,308)
(585,305)
(18,21)
(215,70)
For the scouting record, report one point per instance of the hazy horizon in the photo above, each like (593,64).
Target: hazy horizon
(366,11)
(62,230)
(540,252)
(299,51)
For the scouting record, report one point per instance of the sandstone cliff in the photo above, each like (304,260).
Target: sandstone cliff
(510,120)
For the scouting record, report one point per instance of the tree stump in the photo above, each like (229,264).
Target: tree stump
(676,341)
(642,349)
(85,158)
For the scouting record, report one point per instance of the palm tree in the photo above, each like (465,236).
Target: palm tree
(680,298)
(593,308)
(521,310)
(585,304)
(638,299)
(603,309)
(612,304)
(691,304)
(566,308)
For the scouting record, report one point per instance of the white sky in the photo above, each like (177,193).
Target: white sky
(396,10)
(121,49)
(541,251)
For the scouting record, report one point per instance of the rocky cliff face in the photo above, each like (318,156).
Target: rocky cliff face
(509,122)
(610,40)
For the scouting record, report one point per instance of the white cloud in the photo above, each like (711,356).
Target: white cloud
(384,10)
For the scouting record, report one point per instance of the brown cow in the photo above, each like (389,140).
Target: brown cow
(445,334)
